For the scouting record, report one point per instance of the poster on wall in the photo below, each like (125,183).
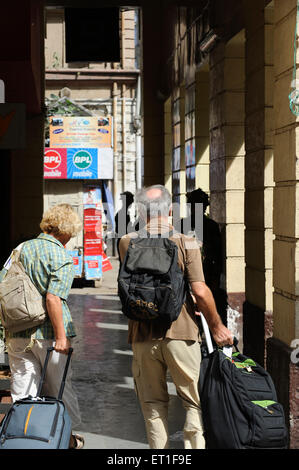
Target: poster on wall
(106,265)
(80,131)
(78,163)
(92,197)
(82,163)
(92,267)
(55,163)
(93,242)
(77,262)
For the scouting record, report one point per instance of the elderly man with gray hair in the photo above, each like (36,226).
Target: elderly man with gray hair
(158,347)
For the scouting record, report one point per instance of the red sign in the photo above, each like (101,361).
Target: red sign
(93,220)
(92,244)
(55,163)
(106,265)
(92,263)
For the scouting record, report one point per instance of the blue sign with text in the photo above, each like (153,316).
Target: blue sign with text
(82,163)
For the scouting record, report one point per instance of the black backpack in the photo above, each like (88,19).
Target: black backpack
(151,285)
(239,404)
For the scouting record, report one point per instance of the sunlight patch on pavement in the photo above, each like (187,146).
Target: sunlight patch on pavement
(103,310)
(107,297)
(128,352)
(98,441)
(129,384)
(112,326)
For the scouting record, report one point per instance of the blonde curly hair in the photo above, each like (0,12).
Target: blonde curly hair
(61,220)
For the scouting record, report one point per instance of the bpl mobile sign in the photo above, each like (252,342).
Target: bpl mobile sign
(55,163)
(78,163)
(82,163)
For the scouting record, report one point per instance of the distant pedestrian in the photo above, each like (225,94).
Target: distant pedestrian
(212,257)
(158,346)
(51,270)
(123,224)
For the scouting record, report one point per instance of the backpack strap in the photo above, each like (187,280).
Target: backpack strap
(14,256)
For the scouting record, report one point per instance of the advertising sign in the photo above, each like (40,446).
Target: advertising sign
(82,163)
(93,221)
(77,262)
(106,265)
(93,250)
(92,197)
(80,131)
(92,244)
(93,267)
(55,163)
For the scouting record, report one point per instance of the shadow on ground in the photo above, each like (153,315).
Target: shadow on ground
(102,378)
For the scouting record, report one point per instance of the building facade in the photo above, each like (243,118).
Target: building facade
(216,79)
(98,89)
(229,130)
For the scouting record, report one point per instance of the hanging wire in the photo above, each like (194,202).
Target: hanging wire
(294,95)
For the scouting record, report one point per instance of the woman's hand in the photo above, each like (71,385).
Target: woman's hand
(62,345)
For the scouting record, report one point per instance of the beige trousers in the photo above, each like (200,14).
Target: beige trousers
(26,370)
(151,360)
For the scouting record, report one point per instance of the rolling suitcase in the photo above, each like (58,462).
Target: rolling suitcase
(238,401)
(38,422)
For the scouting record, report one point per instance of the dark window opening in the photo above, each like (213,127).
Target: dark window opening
(92,35)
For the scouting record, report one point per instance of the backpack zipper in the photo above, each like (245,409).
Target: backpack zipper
(150,288)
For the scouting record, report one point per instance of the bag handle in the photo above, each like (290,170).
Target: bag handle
(226,349)
(42,380)
(14,256)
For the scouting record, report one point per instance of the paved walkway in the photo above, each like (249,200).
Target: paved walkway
(111,417)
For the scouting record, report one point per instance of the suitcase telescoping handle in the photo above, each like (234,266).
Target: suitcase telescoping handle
(42,380)
(227,349)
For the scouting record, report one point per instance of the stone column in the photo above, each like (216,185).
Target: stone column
(182,153)
(258,178)
(202,139)
(281,364)
(167,145)
(227,167)
(153,140)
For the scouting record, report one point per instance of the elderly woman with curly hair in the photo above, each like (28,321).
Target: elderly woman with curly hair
(51,270)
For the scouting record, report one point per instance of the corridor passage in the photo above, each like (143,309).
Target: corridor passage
(102,378)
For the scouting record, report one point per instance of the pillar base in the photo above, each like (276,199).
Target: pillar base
(285,375)
(257,327)
(235,302)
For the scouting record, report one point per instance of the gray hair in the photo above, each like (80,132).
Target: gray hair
(151,208)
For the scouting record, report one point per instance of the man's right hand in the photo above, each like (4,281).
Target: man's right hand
(222,335)
(205,303)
